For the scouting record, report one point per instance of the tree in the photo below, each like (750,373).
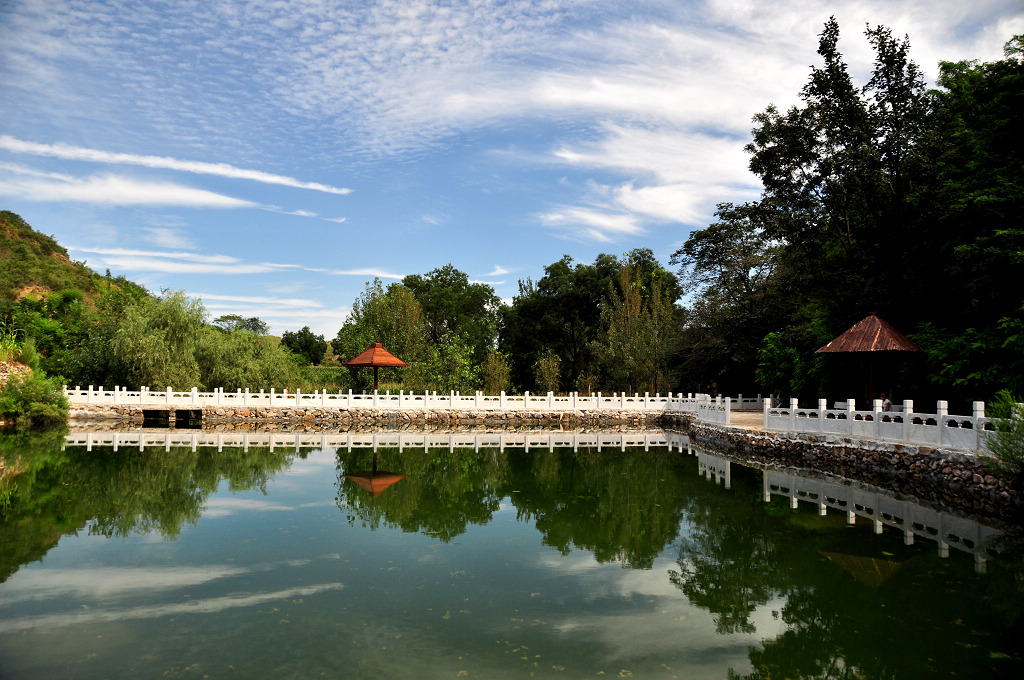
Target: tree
(640,328)
(303,343)
(455,307)
(547,372)
(495,373)
(394,318)
(738,285)
(234,322)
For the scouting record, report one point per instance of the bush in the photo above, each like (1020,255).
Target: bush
(34,399)
(1007,442)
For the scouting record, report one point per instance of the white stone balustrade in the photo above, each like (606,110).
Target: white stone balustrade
(902,424)
(398,401)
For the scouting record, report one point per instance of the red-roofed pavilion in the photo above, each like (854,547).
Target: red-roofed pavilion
(377,357)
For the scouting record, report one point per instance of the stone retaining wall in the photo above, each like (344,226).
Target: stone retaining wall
(213,415)
(947,479)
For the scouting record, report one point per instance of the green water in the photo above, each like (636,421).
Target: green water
(477,563)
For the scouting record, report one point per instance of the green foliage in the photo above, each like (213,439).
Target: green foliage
(1007,442)
(547,372)
(34,399)
(31,261)
(234,322)
(308,346)
(639,331)
(454,307)
(395,319)
(495,373)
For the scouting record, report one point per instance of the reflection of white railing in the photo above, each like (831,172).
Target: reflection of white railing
(373,440)
(882,510)
(402,400)
(902,424)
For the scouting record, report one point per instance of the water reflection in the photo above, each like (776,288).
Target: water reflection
(806,575)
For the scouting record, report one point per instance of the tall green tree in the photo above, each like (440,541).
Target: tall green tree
(640,327)
(454,307)
(394,318)
(304,343)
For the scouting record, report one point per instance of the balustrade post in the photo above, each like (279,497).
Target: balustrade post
(622,401)
(476,399)
(245,397)
(551,401)
(728,416)
(940,412)
(764,410)
(977,416)
(794,404)
(822,404)
(526,400)
(195,396)
(598,401)
(271,397)
(877,408)
(908,410)
(350,397)
(851,406)
(501,400)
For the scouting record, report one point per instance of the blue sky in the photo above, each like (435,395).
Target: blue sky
(272,157)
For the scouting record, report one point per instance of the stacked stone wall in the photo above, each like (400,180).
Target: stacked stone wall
(947,479)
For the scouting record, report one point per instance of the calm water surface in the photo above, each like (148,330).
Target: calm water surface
(487,562)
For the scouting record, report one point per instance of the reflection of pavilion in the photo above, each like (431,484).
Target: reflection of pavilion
(375,481)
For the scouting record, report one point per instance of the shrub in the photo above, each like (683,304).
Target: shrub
(34,399)
(1007,442)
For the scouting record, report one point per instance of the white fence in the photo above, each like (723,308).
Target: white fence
(401,401)
(882,510)
(902,424)
(298,441)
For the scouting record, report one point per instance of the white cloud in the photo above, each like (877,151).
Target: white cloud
(218,169)
(592,224)
(260,300)
(109,190)
(499,271)
(167,237)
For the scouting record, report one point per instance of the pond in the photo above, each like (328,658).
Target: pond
(478,555)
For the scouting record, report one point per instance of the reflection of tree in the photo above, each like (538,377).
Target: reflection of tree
(728,562)
(443,492)
(59,491)
(920,619)
(624,507)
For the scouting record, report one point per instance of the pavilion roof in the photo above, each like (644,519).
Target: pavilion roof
(871,334)
(376,355)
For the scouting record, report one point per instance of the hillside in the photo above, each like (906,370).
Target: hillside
(32,263)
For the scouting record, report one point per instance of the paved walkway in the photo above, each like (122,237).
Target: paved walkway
(748,420)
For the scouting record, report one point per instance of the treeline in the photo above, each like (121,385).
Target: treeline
(884,197)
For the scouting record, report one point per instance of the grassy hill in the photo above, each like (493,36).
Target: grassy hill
(34,264)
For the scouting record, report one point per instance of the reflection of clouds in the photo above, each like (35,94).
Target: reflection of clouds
(111,582)
(222,507)
(647,616)
(207,606)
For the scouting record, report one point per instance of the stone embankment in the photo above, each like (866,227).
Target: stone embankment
(214,415)
(944,478)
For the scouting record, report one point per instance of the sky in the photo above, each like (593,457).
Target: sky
(271,158)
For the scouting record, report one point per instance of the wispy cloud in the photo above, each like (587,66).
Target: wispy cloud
(261,300)
(499,271)
(589,224)
(77,153)
(33,185)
